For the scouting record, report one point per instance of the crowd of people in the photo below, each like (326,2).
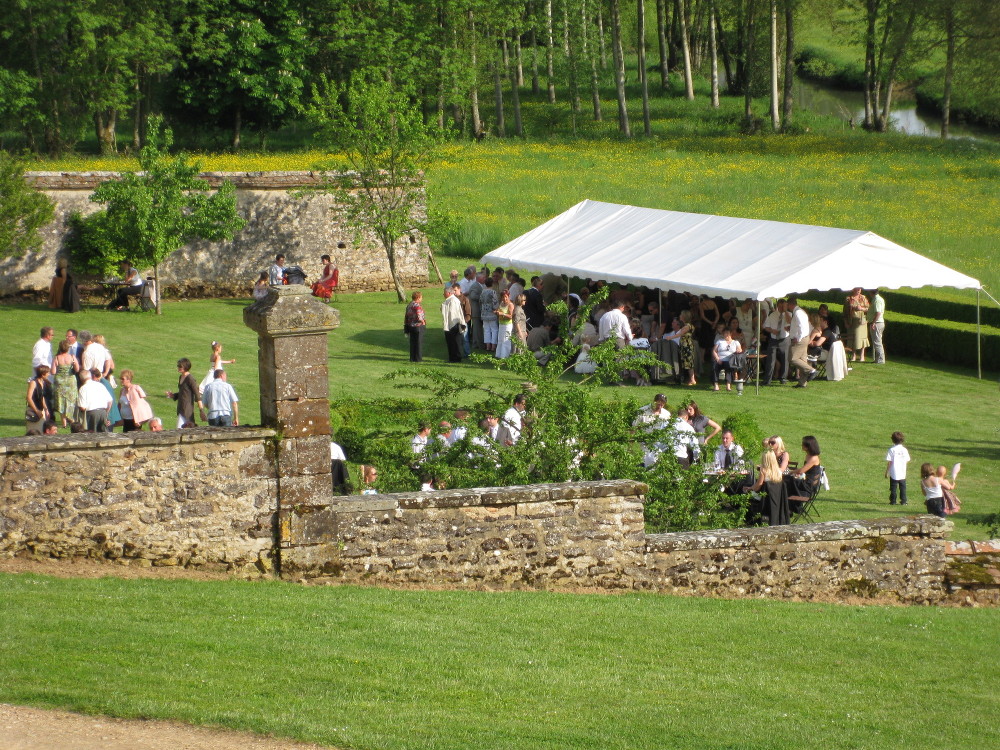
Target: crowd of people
(74,388)
(500,312)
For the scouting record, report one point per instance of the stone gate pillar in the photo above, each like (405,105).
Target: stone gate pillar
(292,328)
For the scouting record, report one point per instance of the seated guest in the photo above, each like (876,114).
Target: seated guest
(729,455)
(539,338)
(133,286)
(652,421)
(419,441)
(773,505)
(276,275)
(804,481)
(260,288)
(777,446)
(327,283)
(722,352)
(737,333)
(49,428)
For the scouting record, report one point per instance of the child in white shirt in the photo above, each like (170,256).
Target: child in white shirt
(895,468)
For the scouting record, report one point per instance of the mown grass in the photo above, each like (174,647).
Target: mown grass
(947,414)
(374,668)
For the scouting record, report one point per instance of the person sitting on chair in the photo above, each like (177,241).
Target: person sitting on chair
(803,481)
(133,286)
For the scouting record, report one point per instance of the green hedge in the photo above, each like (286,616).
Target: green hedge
(822,66)
(900,303)
(942,341)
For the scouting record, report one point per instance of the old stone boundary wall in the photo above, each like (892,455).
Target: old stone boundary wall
(209,498)
(302,228)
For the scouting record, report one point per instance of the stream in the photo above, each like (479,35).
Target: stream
(846,105)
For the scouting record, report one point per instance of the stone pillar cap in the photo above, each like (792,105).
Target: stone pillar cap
(290,310)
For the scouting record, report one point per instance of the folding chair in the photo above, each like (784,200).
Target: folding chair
(806,508)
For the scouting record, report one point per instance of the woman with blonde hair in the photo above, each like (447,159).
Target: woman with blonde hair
(520,322)
(777,446)
(65,367)
(774,507)
(505,318)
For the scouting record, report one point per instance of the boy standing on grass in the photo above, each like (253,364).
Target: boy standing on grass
(895,468)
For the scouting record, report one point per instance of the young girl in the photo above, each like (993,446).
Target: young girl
(951,502)
(261,288)
(934,497)
(216,364)
(135,410)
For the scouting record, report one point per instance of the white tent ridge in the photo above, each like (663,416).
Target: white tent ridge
(717,255)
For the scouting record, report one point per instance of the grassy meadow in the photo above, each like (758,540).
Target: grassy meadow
(376,668)
(947,414)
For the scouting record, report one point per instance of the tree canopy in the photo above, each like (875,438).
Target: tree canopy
(23,210)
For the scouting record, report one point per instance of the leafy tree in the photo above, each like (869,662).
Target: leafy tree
(152,213)
(385,147)
(571,434)
(23,210)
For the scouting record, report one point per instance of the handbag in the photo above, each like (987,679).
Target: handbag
(30,415)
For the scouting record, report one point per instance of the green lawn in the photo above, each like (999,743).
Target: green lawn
(375,668)
(947,414)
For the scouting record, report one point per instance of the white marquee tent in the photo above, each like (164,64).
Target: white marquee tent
(717,255)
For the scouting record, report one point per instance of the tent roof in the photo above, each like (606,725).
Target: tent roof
(706,254)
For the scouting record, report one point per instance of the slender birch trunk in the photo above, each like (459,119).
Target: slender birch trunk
(619,59)
(775,117)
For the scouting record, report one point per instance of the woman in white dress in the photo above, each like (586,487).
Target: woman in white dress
(505,318)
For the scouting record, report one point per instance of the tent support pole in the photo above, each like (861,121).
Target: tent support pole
(757,379)
(979,341)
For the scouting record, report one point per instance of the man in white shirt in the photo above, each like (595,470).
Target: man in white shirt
(876,317)
(653,420)
(94,401)
(729,455)
(513,421)
(614,323)
(516,288)
(95,356)
(799,334)
(41,352)
(685,438)
(777,324)
(419,441)
(221,402)
(895,468)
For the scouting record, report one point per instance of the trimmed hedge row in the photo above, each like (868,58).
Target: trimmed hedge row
(900,303)
(941,341)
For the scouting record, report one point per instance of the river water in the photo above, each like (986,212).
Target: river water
(850,104)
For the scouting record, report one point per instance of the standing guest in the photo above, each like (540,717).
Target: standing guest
(654,422)
(414,324)
(453,323)
(132,404)
(515,284)
(711,316)
(276,274)
(933,490)
(876,320)
(475,295)
(95,354)
(261,287)
(512,423)
(215,362)
(221,402)
(798,333)
(776,445)
(75,350)
(855,327)
(687,351)
(505,324)
(519,328)
(41,352)
(488,304)
(369,475)
(614,324)
(534,304)
(66,390)
(746,314)
(701,423)
(95,402)
(327,283)
(186,395)
(131,286)
(463,343)
(452,280)
(460,430)
(109,361)
(419,442)
(554,288)
(895,468)
(777,325)
(499,281)
(114,413)
(37,410)
(58,284)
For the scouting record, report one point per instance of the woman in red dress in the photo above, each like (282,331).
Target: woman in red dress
(327,283)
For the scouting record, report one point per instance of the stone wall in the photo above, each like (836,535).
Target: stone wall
(302,228)
(582,535)
(899,558)
(196,497)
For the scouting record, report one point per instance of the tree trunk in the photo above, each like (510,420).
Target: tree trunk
(390,251)
(550,53)
(600,36)
(616,44)
(685,49)
(949,69)
(775,117)
(535,88)
(237,128)
(501,126)
(137,112)
(748,67)
(896,59)
(640,6)
(661,39)
(515,90)
(786,100)
(156,288)
(104,127)
(590,53)
(714,54)
(477,123)
(434,264)
(518,61)
(871,17)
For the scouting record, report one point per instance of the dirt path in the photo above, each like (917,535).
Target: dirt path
(37,729)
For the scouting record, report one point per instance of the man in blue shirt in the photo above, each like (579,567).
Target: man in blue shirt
(221,402)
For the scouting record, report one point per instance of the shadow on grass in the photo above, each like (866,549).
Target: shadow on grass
(973,449)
